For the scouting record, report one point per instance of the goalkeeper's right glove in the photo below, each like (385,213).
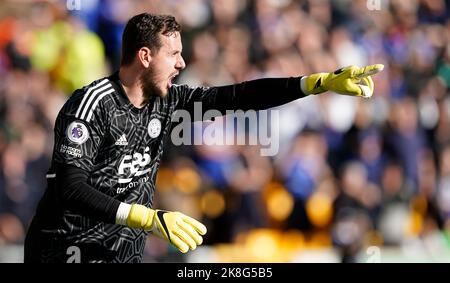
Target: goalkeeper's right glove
(352,80)
(178,229)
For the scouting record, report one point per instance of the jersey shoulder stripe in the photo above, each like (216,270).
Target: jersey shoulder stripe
(97,100)
(91,98)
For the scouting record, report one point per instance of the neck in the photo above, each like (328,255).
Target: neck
(129,78)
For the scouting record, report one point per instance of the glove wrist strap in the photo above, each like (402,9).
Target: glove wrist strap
(303,86)
(122,213)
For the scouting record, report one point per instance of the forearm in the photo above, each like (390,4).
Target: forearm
(259,94)
(76,194)
(250,95)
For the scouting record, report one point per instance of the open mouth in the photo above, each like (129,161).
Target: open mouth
(171,78)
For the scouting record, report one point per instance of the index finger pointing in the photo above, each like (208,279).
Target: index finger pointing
(369,70)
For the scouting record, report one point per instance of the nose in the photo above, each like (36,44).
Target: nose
(180,63)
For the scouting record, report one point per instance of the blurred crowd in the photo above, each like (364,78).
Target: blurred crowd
(351,173)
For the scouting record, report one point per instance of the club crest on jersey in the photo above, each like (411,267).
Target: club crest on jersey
(154,128)
(77,132)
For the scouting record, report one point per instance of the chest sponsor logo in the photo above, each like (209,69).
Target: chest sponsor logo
(134,165)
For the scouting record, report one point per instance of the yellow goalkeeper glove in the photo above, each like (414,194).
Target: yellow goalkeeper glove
(350,80)
(178,229)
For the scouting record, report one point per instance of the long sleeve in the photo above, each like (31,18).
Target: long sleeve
(76,194)
(257,95)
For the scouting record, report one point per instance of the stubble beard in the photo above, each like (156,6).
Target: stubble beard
(149,86)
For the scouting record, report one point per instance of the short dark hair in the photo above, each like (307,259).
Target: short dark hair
(143,30)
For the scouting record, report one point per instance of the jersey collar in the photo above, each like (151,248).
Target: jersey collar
(123,98)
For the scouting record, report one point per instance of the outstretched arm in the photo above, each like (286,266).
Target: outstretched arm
(256,94)
(271,92)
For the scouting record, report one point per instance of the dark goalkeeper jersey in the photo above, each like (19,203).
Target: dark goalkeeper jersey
(99,131)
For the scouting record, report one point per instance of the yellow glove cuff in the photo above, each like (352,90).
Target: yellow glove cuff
(140,217)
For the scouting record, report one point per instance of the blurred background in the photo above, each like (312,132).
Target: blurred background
(355,180)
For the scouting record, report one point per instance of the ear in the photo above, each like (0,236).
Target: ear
(145,56)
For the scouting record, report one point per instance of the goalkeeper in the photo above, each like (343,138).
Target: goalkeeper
(109,140)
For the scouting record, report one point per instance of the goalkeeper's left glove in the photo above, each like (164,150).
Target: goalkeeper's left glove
(178,229)
(350,80)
